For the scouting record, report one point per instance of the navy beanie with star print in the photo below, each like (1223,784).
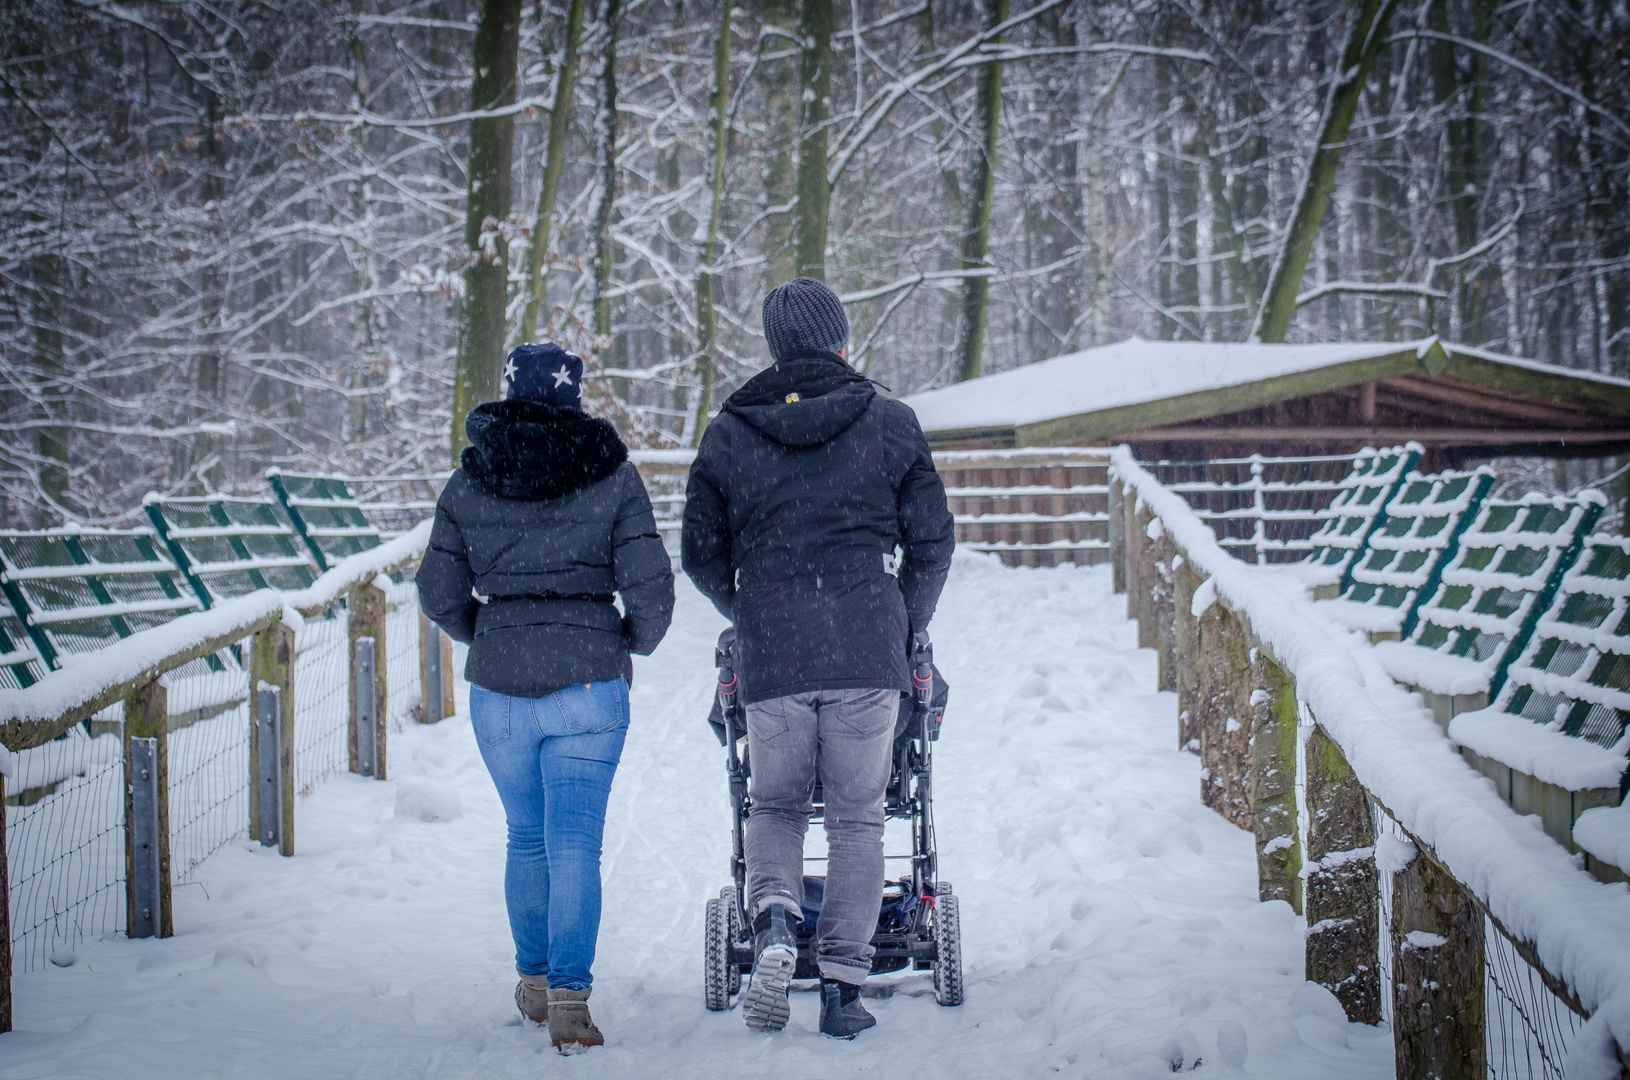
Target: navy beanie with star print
(545,373)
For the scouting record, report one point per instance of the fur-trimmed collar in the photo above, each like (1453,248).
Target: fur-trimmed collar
(532,451)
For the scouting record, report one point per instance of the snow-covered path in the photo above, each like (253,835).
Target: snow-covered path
(1110,921)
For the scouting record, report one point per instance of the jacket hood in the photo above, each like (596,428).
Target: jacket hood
(803,401)
(531,451)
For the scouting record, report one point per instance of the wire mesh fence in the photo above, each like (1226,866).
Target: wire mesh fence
(405,696)
(322,699)
(65,842)
(209,763)
(1527,1029)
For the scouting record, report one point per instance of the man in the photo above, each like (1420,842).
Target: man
(816,523)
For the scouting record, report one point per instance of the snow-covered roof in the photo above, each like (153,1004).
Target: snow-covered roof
(1122,381)
(1130,372)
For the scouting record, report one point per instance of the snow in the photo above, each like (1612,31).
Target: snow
(1605,833)
(1541,751)
(1528,881)
(1110,921)
(1131,372)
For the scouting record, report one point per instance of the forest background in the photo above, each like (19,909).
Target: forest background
(237,234)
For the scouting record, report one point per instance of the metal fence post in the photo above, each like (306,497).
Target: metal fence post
(269,758)
(435,672)
(147,812)
(364,714)
(365,618)
(271,668)
(5,920)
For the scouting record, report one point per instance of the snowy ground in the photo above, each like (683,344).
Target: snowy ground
(1110,921)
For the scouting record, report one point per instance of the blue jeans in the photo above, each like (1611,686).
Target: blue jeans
(552,760)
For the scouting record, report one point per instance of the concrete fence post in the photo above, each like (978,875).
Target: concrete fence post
(365,618)
(1272,782)
(1342,930)
(1186,650)
(1437,975)
(1142,576)
(271,666)
(1161,609)
(1221,718)
(1117,534)
(147,812)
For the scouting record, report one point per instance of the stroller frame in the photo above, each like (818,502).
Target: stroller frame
(929,936)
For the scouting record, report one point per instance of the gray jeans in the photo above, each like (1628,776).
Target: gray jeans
(845,738)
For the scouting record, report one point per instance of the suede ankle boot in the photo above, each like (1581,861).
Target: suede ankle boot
(532,998)
(570,1025)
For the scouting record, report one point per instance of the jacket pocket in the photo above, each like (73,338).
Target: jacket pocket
(489,715)
(592,708)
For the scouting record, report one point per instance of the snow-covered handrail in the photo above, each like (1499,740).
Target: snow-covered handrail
(87,683)
(1571,926)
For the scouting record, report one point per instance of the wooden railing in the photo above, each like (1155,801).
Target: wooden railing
(1421,889)
(133,672)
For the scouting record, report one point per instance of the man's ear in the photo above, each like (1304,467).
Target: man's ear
(842,354)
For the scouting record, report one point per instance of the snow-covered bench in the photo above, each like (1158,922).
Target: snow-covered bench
(230,546)
(1473,621)
(1407,551)
(1555,739)
(1355,512)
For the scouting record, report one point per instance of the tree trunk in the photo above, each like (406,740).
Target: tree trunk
(605,141)
(781,120)
(980,193)
(707,318)
(51,443)
(1463,126)
(481,321)
(554,157)
(814,192)
(1366,30)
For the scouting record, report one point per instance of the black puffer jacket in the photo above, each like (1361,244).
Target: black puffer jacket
(546,520)
(803,487)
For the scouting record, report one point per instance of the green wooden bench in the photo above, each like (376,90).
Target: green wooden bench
(1407,551)
(229,546)
(1554,739)
(1477,616)
(325,514)
(1358,510)
(75,591)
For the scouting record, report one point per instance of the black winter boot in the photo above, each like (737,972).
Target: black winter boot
(775,947)
(842,1014)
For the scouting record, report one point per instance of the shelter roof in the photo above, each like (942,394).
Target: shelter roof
(1158,386)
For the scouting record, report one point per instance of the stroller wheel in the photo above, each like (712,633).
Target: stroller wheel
(716,980)
(947,926)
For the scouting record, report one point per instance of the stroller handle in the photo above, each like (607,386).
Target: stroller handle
(922,670)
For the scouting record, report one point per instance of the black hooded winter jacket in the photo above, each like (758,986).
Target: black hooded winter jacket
(816,523)
(544,522)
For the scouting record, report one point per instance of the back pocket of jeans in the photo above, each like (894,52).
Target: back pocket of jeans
(590,708)
(489,715)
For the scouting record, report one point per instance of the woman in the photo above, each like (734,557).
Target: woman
(547,519)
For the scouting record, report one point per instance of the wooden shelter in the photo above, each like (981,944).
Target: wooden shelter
(1200,401)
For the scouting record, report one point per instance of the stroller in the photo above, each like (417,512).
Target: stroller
(918,924)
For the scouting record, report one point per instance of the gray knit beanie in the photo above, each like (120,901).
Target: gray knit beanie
(802,317)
